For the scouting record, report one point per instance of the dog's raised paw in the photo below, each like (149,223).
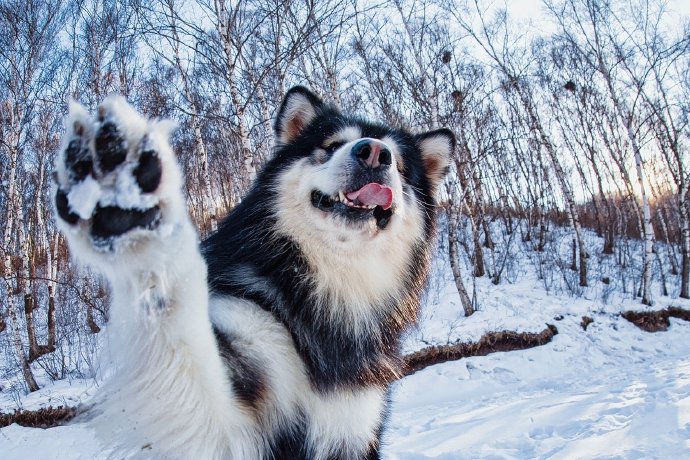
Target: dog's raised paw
(110,171)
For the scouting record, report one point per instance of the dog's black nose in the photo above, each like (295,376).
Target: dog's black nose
(372,153)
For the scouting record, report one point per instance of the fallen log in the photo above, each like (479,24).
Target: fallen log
(655,321)
(490,342)
(47,417)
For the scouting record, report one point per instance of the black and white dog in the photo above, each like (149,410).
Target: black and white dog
(279,335)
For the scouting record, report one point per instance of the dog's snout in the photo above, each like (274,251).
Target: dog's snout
(372,153)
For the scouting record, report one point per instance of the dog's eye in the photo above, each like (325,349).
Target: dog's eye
(333,146)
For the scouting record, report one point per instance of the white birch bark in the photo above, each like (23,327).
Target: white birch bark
(503,59)
(454,255)
(571,206)
(417,57)
(626,117)
(454,210)
(14,206)
(225,28)
(208,210)
(685,241)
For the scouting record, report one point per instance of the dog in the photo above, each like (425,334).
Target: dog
(277,337)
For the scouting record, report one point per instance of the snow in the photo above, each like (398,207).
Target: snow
(611,391)
(73,442)
(84,196)
(66,393)
(127,194)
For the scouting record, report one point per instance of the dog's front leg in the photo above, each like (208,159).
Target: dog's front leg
(120,205)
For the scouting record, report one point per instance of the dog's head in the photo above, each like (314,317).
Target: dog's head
(351,184)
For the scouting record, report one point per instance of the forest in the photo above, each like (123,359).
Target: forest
(572,134)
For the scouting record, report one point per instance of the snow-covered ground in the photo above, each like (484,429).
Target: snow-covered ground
(612,391)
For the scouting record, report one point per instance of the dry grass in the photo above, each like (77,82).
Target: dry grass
(586,321)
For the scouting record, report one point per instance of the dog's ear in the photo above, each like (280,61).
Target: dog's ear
(298,109)
(437,149)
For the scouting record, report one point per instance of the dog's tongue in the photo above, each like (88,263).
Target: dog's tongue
(373,193)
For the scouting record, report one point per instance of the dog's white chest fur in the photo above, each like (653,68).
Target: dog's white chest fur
(333,419)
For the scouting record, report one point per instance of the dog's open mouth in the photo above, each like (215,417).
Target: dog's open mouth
(370,201)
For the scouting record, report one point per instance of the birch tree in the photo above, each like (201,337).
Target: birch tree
(605,39)
(505,54)
(27,70)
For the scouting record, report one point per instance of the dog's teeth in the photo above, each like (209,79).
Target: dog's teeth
(341,197)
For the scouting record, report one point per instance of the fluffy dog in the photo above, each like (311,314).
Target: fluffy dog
(279,335)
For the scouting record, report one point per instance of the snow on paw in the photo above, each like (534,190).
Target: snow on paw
(118,184)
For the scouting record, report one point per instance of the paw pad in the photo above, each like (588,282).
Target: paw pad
(148,172)
(78,160)
(111,147)
(63,208)
(93,188)
(112,221)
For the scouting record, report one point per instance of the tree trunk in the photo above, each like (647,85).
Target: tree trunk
(225,29)
(583,266)
(573,263)
(669,244)
(208,208)
(527,233)
(425,83)
(455,267)
(16,221)
(52,286)
(662,274)
(609,238)
(541,244)
(685,248)
(479,270)
(571,208)
(17,343)
(41,238)
(266,122)
(626,116)
(89,299)
(648,228)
